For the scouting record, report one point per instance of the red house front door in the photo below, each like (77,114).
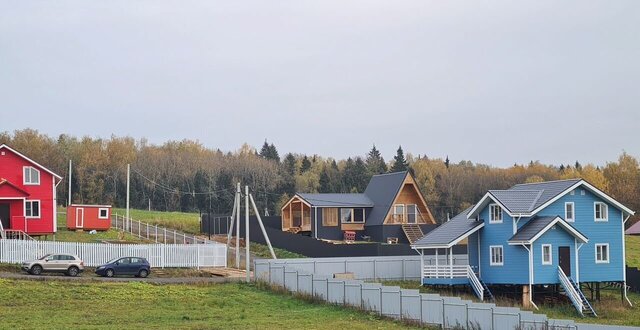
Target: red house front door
(5,216)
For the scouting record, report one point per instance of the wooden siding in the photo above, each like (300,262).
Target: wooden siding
(352,226)
(409,194)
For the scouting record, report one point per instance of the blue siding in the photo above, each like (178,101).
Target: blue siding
(548,274)
(516,259)
(472,243)
(597,232)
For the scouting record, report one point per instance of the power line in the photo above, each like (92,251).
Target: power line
(178,191)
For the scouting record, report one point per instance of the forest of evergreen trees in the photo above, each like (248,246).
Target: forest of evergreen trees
(186,176)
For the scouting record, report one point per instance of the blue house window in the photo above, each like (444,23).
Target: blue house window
(547,256)
(602,253)
(601,211)
(495,213)
(497,256)
(569,211)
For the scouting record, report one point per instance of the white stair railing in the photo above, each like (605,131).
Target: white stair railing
(571,291)
(477,286)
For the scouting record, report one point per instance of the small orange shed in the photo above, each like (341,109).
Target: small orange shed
(88,217)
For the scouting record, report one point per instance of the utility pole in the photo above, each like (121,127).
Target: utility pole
(69,200)
(246,242)
(238,227)
(128,186)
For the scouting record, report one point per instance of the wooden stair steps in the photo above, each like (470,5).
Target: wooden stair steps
(413,232)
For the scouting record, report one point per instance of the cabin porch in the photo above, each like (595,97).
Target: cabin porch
(296,216)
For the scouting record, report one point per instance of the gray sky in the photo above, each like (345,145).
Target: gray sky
(492,82)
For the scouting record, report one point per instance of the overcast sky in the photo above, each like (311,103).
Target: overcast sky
(488,81)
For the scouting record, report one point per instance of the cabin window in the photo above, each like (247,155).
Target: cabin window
(495,213)
(602,253)
(398,213)
(601,211)
(330,217)
(31,176)
(352,215)
(497,257)
(32,209)
(412,213)
(103,213)
(569,211)
(547,257)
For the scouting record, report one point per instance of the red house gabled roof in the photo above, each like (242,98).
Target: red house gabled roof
(4,146)
(13,187)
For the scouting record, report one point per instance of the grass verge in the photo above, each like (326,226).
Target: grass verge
(217,306)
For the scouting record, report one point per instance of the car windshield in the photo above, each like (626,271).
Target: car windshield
(44,257)
(113,260)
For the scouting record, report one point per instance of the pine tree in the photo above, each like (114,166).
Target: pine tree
(399,162)
(325,182)
(348,175)
(578,166)
(360,175)
(375,163)
(306,164)
(269,151)
(446,162)
(290,164)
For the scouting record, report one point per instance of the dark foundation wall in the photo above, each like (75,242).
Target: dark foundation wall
(382,232)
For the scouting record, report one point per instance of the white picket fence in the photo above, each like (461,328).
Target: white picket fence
(94,254)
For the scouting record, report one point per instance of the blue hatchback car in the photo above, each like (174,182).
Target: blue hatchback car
(136,266)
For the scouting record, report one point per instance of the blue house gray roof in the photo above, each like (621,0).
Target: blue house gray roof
(449,232)
(525,198)
(337,200)
(538,225)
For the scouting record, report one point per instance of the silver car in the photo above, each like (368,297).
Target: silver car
(55,263)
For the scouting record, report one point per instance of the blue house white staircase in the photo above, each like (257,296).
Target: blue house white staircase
(572,290)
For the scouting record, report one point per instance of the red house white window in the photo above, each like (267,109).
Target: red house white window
(31,176)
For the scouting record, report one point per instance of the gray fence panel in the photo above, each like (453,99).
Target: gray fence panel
(506,318)
(335,291)
(391,301)
(353,293)
(410,304)
(277,275)
(291,280)
(455,312)
(261,270)
(432,309)
(305,283)
(479,315)
(320,286)
(371,297)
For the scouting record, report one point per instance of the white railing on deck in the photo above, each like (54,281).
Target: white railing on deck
(94,254)
(477,286)
(570,290)
(445,271)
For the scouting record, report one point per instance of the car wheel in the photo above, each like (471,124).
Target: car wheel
(109,273)
(143,273)
(35,270)
(73,271)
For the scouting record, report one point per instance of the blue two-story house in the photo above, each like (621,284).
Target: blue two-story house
(556,236)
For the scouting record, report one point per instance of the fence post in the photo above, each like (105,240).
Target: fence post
(139,228)
(147,230)
(156,234)
(198,255)
(165,235)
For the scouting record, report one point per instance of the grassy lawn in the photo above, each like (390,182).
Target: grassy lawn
(632,245)
(186,222)
(142,305)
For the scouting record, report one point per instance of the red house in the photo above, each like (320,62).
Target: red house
(27,194)
(88,217)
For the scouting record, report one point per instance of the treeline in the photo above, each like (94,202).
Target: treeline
(186,176)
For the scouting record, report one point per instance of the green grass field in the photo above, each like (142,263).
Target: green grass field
(186,222)
(65,235)
(632,245)
(26,304)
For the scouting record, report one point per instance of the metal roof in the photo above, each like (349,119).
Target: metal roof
(633,230)
(539,225)
(548,190)
(337,200)
(449,231)
(382,190)
(518,201)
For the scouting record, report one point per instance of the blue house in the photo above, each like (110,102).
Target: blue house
(392,208)
(559,236)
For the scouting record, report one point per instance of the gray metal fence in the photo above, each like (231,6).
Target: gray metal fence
(315,277)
